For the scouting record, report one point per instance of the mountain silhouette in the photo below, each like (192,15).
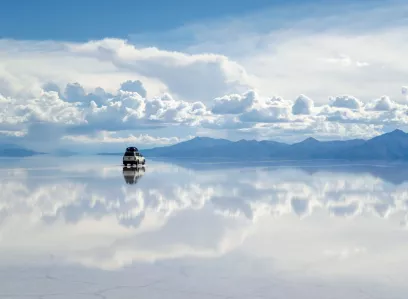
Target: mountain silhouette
(388,146)
(13,150)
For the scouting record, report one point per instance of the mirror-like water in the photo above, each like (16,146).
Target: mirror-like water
(87,228)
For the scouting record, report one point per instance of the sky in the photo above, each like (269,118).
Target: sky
(103,75)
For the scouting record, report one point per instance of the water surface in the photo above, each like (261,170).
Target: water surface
(85,227)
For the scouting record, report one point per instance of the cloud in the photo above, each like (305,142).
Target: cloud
(190,77)
(346,102)
(98,116)
(110,62)
(268,110)
(317,127)
(384,104)
(134,86)
(75,92)
(326,52)
(404,91)
(227,56)
(53,118)
(46,108)
(251,108)
(110,137)
(303,105)
(345,253)
(234,103)
(231,122)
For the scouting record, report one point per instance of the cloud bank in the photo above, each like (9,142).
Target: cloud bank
(98,111)
(101,117)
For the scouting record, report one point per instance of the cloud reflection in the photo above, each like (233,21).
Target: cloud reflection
(110,217)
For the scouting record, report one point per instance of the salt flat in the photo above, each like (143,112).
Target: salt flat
(84,227)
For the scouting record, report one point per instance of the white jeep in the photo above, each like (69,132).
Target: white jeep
(132,156)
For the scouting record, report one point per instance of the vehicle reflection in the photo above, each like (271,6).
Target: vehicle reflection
(133,174)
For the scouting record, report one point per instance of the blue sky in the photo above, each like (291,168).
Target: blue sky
(96,75)
(94,19)
(78,20)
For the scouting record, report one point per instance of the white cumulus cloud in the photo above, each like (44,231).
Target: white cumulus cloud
(234,103)
(110,137)
(345,102)
(303,105)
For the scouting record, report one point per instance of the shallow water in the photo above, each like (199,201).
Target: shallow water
(84,227)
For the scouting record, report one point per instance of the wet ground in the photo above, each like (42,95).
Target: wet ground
(85,227)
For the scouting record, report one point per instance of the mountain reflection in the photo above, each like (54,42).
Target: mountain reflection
(181,211)
(393,172)
(168,189)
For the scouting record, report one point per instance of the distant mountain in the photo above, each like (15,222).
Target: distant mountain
(389,146)
(12,150)
(188,148)
(311,148)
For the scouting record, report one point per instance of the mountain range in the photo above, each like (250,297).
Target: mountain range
(12,150)
(388,146)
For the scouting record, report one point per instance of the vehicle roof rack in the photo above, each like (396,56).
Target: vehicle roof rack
(132,149)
